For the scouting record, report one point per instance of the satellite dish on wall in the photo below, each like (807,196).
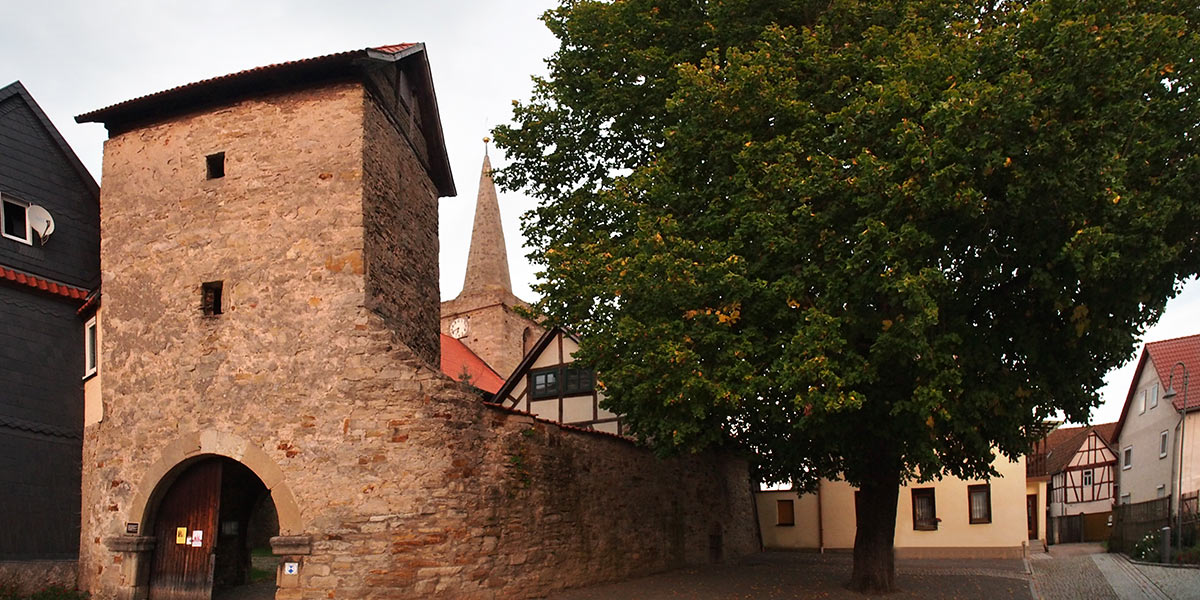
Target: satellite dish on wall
(40,222)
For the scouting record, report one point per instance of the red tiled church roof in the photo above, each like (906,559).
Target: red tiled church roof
(1167,354)
(458,361)
(40,283)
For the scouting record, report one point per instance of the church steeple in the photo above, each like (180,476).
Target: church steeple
(484,317)
(487,262)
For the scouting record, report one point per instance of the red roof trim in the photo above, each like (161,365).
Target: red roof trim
(45,285)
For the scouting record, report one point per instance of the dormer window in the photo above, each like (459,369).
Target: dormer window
(15,217)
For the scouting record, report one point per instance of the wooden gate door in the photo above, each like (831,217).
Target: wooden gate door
(186,533)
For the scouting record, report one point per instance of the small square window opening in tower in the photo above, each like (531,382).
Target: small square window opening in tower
(210,294)
(215,165)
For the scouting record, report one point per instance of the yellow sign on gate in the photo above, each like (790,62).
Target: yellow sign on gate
(181,535)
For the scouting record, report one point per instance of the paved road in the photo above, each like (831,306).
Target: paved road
(791,575)
(1086,572)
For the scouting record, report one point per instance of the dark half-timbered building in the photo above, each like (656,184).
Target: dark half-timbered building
(49,262)
(1081,465)
(550,386)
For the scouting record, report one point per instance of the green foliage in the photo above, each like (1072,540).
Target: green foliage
(1146,550)
(857,237)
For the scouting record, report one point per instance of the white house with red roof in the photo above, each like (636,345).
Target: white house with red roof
(1153,440)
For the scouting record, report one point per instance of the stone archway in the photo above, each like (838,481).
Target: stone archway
(138,544)
(220,444)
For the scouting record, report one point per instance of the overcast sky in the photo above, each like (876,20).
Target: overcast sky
(75,56)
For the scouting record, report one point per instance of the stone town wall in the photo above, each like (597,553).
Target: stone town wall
(406,485)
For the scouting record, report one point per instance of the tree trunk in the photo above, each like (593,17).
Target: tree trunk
(875,518)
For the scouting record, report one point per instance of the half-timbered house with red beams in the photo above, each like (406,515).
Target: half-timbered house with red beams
(1081,464)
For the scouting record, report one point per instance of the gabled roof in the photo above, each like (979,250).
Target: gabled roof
(458,359)
(1062,444)
(343,66)
(526,362)
(16,89)
(1166,354)
(530,357)
(49,286)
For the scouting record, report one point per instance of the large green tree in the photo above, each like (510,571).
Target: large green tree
(880,241)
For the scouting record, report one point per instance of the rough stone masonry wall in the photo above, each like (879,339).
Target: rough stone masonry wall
(561,508)
(400,219)
(287,361)
(406,484)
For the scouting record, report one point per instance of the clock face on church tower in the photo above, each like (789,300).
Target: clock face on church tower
(458,328)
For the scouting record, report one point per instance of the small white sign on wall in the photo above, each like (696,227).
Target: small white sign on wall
(291,568)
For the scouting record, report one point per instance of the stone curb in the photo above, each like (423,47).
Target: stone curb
(1167,565)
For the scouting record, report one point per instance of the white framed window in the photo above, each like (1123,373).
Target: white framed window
(15,217)
(1127,458)
(1125,498)
(1087,477)
(1160,491)
(1163,439)
(90,348)
(1154,396)
(1145,395)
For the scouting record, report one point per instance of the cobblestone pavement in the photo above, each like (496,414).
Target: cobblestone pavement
(1076,572)
(1175,582)
(800,575)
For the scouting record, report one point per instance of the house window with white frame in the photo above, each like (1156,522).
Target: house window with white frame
(15,217)
(1087,477)
(1125,498)
(1127,458)
(1160,491)
(1154,396)
(1145,395)
(1163,442)
(90,348)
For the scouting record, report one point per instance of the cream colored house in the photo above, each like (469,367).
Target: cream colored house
(950,518)
(1149,432)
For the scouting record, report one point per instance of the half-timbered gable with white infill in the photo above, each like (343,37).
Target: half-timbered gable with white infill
(549,386)
(1089,476)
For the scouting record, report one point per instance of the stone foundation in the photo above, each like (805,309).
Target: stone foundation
(33,575)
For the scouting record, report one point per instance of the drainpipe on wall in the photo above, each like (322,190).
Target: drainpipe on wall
(820,520)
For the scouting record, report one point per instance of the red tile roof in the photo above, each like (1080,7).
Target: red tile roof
(41,283)
(459,362)
(1062,444)
(1166,354)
